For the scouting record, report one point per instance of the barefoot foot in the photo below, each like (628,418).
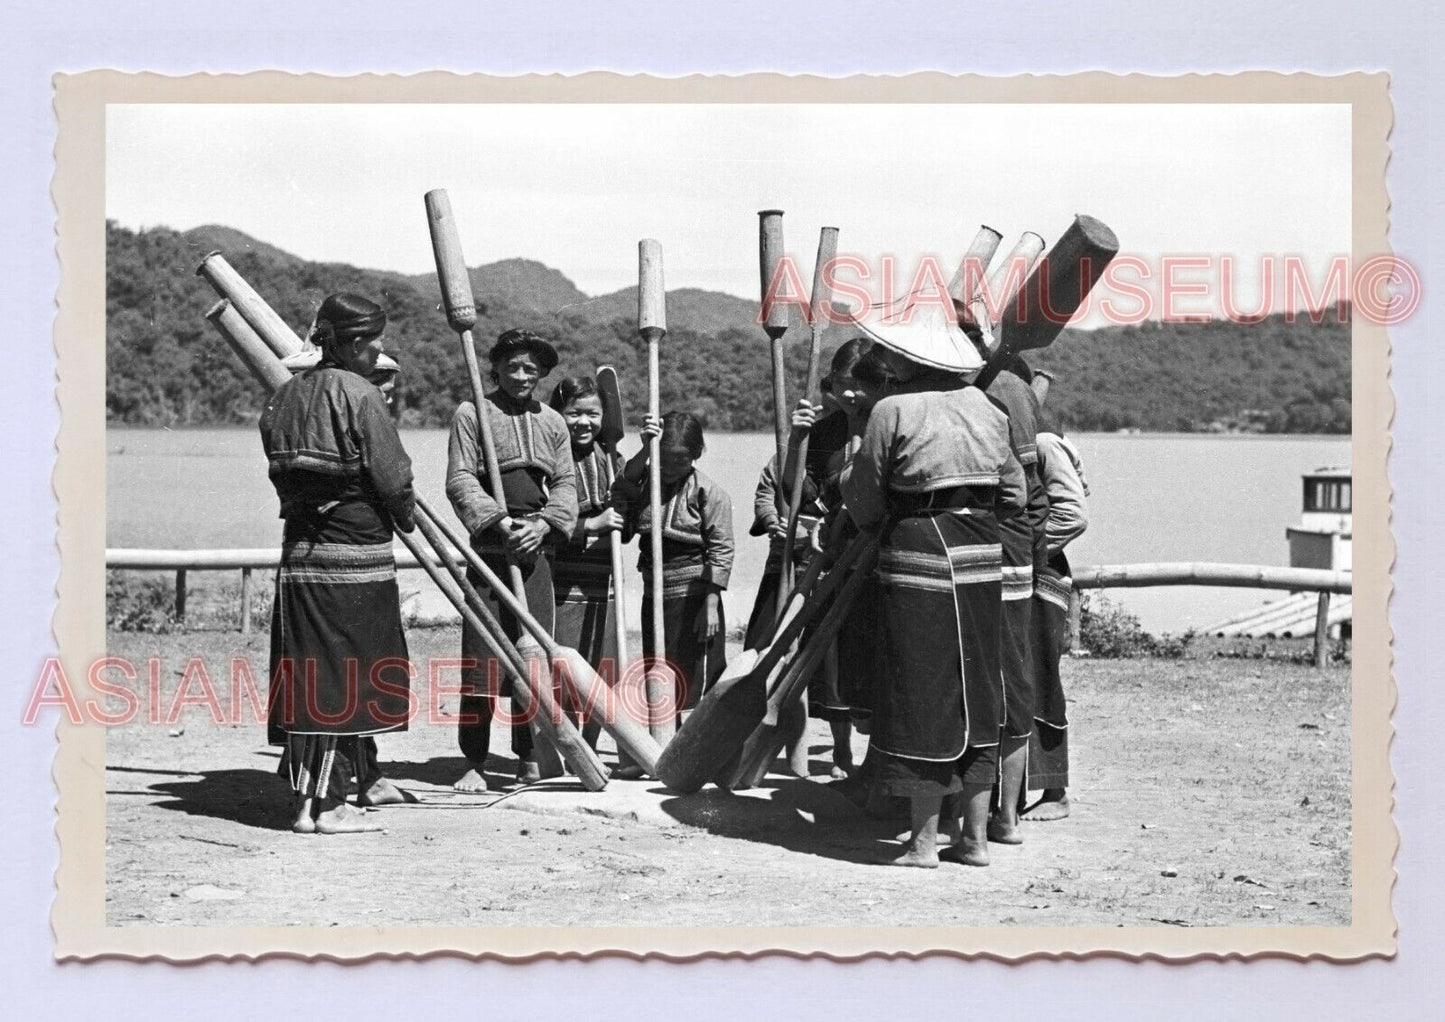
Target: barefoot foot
(528,772)
(1002,832)
(471,782)
(966,853)
(1046,809)
(385,793)
(305,822)
(345,819)
(916,857)
(629,773)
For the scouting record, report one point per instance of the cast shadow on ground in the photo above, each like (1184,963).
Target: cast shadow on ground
(252,798)
(839,829)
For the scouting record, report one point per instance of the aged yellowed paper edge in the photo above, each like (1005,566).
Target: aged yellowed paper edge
(78,915)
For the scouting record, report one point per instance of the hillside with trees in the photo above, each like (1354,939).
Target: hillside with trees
(167,367)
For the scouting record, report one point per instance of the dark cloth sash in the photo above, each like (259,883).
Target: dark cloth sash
(956,498)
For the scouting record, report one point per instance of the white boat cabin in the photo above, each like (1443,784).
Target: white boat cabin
(1322,539)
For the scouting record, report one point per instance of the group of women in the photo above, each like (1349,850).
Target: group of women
(947,659)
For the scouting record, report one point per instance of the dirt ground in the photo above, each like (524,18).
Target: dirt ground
(1206,792)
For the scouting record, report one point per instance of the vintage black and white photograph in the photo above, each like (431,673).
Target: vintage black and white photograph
(890,515)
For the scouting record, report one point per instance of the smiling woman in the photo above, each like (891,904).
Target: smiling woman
(538,503)
(583,565)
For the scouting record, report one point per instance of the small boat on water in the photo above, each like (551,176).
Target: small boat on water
(1322,539)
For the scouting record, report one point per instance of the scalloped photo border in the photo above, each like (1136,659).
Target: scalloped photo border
(78,915)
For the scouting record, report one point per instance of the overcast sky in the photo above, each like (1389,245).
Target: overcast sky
(576,186)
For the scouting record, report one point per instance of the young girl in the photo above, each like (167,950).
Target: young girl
(697,552)
(827,439)
(582,568)
(537,507)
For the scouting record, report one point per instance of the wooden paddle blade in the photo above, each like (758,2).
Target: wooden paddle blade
(609,391)
(595,698)
(714,732)
(563,734)
(751,765)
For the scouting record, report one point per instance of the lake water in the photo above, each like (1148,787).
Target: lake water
(1154,498)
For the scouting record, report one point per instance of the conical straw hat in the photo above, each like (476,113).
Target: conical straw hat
(918,327)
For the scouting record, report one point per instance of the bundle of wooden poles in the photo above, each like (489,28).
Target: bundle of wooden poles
(734,733)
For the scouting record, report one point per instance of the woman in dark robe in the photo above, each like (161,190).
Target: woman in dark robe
(537,509)
(1024,552)
(339,665)
(1061,469)
(934,465)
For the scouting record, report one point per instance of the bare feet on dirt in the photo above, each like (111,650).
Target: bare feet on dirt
(966,853)
(345,819)
(385,793)
(913,855)
(528,772)
(1053,806)
(304,823)
(471,782)
(629,773)
(1001,832)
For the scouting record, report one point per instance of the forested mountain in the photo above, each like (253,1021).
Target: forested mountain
(166,366)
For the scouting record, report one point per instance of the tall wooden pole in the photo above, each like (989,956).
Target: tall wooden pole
(974,268)
(652,325)
(461,311)
(796,470)
(775,324)
(229,284)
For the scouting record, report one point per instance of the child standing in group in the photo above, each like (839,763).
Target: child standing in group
(697,552)
(582,566)
(830,428)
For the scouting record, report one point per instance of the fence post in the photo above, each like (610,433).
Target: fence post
(1076,618)
(245,601)
(181,595)
(1322,631)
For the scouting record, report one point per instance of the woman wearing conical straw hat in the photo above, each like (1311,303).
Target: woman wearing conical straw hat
(933,474)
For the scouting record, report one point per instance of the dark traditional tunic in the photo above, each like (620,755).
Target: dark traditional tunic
(534,453)
(825,442)
(1048,762)
(339,663)
(582,569)
(1022,537)
(697,558)
(932,468)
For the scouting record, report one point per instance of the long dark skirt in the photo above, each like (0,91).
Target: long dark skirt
(339,663)
(765,605)
(1024,552)
(861,658)
(1049,747)
(1017,591)
(483,678)
(582,581)
(941,690)
(825,699)
(696,663)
